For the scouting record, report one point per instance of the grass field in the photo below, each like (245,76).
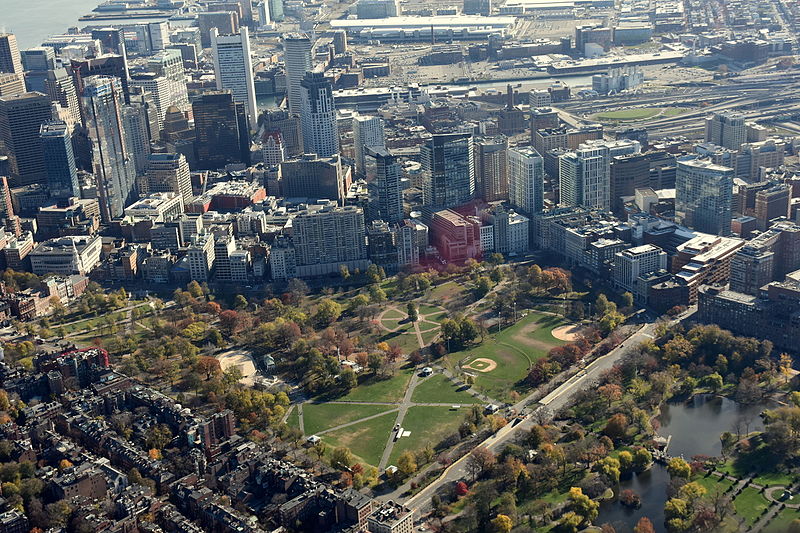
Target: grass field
(439,389)
(514,349)
(321,416)
(774,478)
(381,390)
(713,484)
(366,439)
(750,504)
(780,524)
(293,420)
(428,426)
(637,113)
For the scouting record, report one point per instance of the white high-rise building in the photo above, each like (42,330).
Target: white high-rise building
(297,61)
(631,263)
(367,133)
(525,170)
(233,69)
(318,116)
(585,177)
(704,195)
(273,149)
(726,129)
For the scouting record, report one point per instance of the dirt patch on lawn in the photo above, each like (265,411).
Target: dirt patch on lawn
(482,364)
(567,333)
(245,363)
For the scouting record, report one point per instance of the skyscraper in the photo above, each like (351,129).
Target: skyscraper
(10,59)
(526,179)
(112,167)
(449,170)
(220,126)
(491,168)
(288,124)
(318,116)
(726,129)
(272,148)
(703,196)
(297,61)
(21,118)
(367,132)
(315,177)
(585,177)
(165,81)
(168,173)
(383,178)
(59,160)
(233,69)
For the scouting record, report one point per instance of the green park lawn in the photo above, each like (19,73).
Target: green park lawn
(713,484)
(514,350)
(293,420)
(439,389)
(774,478)
(373,389)
(428,426)
(780,524)
(322,416)
(366,440)
(750,504)
(637,113)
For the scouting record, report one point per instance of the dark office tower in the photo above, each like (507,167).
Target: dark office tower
(318,115)
(112,166)
(632,134)
(21,117)
(10,60)
(59,161)
(490,168)
(112,41)
(448,170)
(289,126)
(628,173)
(112,66)
(340,42)
(383,178)
(226,22)
(39,58)
(220,126)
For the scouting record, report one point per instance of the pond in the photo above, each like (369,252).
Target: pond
(695,427)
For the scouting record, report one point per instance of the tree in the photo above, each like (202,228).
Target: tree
(413,314)
(209,366)
(195,291)
(610,468)
(406,464)
(230,322)
(328,312)
(601,304)
(713,381)
(644,525)
(625,459)
(616,427)
(344,272)
(240,302)
(502,524)
(641,458)
(348,379)
(482,286)
(611,392)
(479,461)
(342,458)
(461,489)
(627,299)
(677,467)
(583,505)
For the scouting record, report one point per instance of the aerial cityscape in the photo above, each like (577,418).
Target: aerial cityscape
(392,266)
